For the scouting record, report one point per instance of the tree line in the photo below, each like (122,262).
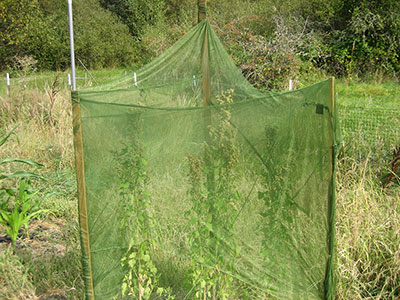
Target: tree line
(268,39)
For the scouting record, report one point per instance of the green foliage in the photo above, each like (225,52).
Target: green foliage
(270,40)
(101,40)
(136,14)
(40,30)
(21,212)
(20,28)
(17,205)
(214,206)
(141,276)
(370,41)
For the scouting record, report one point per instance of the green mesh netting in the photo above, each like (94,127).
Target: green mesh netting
(370,122)
(233,200)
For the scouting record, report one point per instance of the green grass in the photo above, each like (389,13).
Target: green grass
(47,264)
(385,93)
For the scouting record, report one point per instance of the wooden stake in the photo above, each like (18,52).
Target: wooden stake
(202,10)
(80,176)
(329,275)
(205,70)
(332,94)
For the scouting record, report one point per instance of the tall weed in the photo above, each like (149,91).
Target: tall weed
(368,226)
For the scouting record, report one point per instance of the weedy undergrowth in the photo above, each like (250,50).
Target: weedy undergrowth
(214,199)
(274,191)
(141,275)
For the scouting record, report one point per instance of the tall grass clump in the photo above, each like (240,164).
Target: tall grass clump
(43,121)
(368,223)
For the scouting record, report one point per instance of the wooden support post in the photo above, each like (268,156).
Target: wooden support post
(202,10)
(80,177)
(329,275)
(205,70)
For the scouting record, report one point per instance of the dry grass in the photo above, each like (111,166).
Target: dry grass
(44,131)
(46,263)
(14,279)
(368,230)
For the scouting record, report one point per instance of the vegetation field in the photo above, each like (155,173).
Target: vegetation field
(45,261)
(271,42)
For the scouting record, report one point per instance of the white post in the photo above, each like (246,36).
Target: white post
(134,79)
(290,84)
(71,42)
(194,80)
(8,83)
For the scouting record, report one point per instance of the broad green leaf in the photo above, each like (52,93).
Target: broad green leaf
(25,161)
(21,174)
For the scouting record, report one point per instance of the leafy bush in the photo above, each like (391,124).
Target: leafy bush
(370,40)
(40,30)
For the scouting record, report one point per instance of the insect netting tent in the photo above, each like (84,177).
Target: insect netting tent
(191,178)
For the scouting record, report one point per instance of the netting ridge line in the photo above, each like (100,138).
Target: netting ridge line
(236,104)
(88,92)
(153,67)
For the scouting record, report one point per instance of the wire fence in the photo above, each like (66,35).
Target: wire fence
(371,122)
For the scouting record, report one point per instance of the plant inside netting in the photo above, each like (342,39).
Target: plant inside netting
(196,185)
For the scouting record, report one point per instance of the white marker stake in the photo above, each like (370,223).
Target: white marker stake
(8,83)
(290,84)
(194,80)
(134,79)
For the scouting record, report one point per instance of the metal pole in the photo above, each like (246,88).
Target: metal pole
(71,42)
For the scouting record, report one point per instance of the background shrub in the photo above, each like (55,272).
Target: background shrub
(270,40)
(40,29)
